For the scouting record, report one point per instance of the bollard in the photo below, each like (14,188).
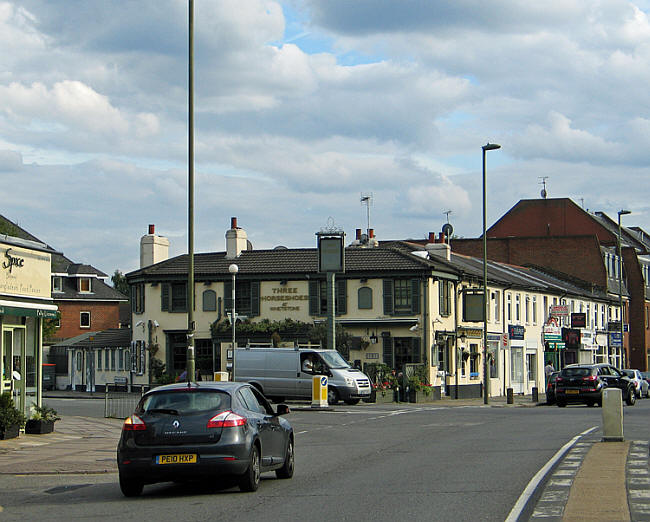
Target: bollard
(535,395)
(510,398)
(613,415)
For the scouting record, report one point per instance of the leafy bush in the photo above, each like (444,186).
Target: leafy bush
(9,414)
(45,413)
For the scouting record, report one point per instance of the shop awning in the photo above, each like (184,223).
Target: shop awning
(21,308)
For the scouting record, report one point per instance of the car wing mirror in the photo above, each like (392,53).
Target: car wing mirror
(283,409)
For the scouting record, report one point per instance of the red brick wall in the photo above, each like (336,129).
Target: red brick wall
(639,337)
(577,256)
(102,317)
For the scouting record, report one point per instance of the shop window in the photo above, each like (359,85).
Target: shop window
(57,284)
(84,319)
(209,301)
(401,296)
(531,363)
(473,361)
(84,284)
(318,297)
(364,298)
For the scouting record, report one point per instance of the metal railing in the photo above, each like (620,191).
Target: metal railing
(119,402)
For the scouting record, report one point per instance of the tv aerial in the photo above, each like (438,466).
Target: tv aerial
(366,199)
(543,192)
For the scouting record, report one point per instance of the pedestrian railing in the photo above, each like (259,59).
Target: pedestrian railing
(120,400)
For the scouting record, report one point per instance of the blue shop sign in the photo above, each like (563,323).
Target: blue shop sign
(516,332)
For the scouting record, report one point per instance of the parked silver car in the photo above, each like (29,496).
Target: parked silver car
(640,384)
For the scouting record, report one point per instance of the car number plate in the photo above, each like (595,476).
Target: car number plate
(186,458)
(575,392)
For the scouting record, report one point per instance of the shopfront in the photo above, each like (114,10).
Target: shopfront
(25,302)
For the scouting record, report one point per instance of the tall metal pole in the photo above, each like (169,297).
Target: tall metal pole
(620,286)
(233,314)
(486,377)
(190,368)
(331,311)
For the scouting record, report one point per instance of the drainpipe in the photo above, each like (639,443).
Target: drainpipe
(456,304)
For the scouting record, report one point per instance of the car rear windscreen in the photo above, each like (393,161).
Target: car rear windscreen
(576,372)
(184,402)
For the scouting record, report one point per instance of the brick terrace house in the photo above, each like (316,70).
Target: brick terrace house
(558,234)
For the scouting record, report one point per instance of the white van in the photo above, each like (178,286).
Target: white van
(283,373)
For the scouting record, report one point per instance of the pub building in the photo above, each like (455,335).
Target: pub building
(25,303)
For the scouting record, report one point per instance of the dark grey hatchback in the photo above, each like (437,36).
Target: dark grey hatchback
(585,383)
(186,431)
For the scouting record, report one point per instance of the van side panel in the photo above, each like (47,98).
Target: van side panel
(250,366)
(281,371)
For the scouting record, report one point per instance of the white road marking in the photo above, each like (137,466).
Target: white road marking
(539,476)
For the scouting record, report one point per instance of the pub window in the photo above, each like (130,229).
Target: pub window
(365,298)
(99,359)
(84,319)
(112,350)
(173,297)
(57,284)
(107,359)
(137,298)
(84,284)
(127,360)
(79,361)
(120,359)
(209,301)
(401,296)
(318,297)
(247,297)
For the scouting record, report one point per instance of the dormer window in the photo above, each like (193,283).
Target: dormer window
(84,284)
(57,284)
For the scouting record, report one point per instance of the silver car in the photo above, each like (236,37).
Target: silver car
(640,384)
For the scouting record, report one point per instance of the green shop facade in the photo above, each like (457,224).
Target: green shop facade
(25,303)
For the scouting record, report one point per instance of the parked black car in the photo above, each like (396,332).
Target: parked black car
(584,383)
(550,388)
(186,431)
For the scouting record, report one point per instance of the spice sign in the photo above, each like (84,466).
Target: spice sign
(24,272)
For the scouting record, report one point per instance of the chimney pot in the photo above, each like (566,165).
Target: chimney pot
(358,233)
(152,230)
(233,222)
(432,237)
(442,237)
(371,233)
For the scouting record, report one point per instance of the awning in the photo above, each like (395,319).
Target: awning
(28,309)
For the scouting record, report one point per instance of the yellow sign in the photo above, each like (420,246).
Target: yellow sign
(24,272)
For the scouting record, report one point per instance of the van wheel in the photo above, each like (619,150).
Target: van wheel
(332,396)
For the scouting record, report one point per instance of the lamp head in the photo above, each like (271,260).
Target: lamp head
(624,212)
(491,146)
(233,269)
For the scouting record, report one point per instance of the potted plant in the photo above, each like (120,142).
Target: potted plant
(11,418)
(42,420)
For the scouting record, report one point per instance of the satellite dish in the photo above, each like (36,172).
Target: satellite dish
(364,238)
(280,247)
(15,375)
(447,229)
(543,193)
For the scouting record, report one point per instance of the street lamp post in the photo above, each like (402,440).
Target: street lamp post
(620,285)
(486,378)
(233,269)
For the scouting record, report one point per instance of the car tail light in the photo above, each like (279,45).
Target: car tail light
(134,423)
(591,378)
(226,419)
(558,380)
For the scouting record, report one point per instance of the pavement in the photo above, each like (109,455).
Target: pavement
(591,480)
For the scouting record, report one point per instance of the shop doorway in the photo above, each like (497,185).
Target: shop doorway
(13,360)
(517,369)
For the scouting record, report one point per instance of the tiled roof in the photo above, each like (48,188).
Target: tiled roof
(111,338)
(100,291)
(288,261)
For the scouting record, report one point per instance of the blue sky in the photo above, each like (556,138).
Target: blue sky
(303,105)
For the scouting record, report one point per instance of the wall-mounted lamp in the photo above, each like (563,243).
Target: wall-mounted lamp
(414,327)
(156,323)
(283,282)
(373,338)
(463,337)
(139,323)
(363,280)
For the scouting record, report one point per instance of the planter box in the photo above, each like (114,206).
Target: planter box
(39,427)
(10,432)
(419,396)
(385,399)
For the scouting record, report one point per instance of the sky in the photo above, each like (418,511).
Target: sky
(301,107)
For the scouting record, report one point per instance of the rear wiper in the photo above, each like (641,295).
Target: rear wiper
(163,410)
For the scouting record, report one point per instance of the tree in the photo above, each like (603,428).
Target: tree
(119,282)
